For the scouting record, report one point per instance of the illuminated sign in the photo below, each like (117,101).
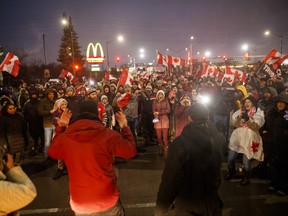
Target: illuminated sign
(95,58)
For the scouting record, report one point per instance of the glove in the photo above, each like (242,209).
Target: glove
(245,116)
(286,115)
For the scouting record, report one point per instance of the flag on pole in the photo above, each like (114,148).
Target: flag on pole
(271,64)
(161,59)
(209,70)
(274,57)
(123,100)
(11,64)
(125,78)
(235,74)
(108,76)
(174,60)
(65,74)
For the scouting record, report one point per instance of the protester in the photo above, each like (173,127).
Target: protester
(13,132)
(34,121)
(16,189)
(181,116)
(60,106)
(276,126)
(191,177)
(145,106)
(245,139)
(161,109)
(45,110)
(89,158)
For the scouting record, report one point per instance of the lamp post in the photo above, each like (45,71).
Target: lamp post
(66,23)
(120,38)
(190,55)
(267,33)
(44,49)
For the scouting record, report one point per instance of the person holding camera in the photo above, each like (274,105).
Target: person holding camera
(245,139)
(16,189)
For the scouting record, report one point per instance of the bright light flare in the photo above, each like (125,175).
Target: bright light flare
(205,99)
(91,82)
(120,38)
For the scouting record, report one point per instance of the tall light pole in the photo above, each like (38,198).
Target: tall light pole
(267,33)
(67,24)
(120,38)
(44,49)
(190,55)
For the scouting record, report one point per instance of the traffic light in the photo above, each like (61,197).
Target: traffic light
(118,59)
(76,67)
(247,57)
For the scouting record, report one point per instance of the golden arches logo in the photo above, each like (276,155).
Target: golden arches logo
(95,58)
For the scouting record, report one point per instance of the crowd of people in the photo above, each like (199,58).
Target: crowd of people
(159,110)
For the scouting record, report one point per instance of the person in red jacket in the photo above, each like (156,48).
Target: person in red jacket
(88,149)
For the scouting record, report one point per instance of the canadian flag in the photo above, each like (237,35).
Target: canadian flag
(161,59)
(175,60)
(68,75)
(11,64)
(108,76)
(209,70)
(235,73)
(125,78)
(274,57)
(123,100)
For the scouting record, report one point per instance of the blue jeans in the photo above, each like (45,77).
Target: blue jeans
(116,210)
(48,133)
(232,161)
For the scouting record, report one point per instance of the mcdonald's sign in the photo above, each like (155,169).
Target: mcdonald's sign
(95,58)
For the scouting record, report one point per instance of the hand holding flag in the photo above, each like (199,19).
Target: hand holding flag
(11,64)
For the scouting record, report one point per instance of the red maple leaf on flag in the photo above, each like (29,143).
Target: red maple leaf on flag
(176,60)
(254,146)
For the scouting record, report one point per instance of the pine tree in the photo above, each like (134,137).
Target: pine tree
(69,54)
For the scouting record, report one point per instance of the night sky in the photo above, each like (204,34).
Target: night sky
(220,26)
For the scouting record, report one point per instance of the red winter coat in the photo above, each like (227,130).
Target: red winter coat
(87,148)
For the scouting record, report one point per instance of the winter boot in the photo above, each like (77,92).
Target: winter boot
(229,175)
(245,181)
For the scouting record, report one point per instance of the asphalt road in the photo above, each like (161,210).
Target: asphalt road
(139,179)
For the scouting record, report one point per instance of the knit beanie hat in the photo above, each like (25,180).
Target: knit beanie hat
(127,85)
(252,99)
(103,96)
(89,106)
(91,90)
(198,112)
(70,88)
(282,97)
(148,86)
(160,91)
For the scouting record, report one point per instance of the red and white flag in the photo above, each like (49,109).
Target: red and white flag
(235,73)
(209,71)
(11,64)
(174,60)
(161,59)
(125,78)
(123,100)
(274,57)
(108,76)
(68,75)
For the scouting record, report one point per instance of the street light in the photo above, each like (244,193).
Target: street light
(190,55)
(66,23)
(267,33)
(120,38)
